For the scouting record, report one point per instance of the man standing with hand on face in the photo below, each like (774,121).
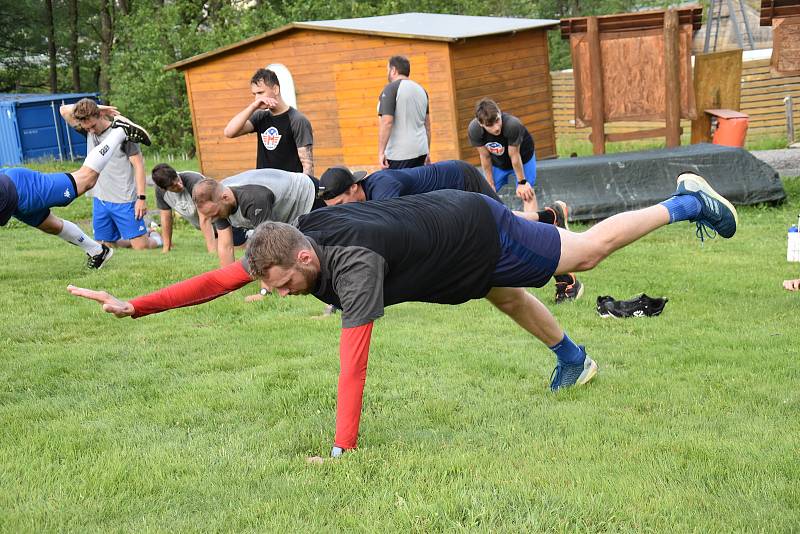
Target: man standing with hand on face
(285,138)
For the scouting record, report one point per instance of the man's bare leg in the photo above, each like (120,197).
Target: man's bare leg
(574,367)
(583,251)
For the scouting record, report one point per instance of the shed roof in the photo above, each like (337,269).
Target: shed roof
(426,26)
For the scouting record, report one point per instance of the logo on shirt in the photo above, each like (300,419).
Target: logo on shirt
(66,194)
(258,210)
(271,138)
(495,148)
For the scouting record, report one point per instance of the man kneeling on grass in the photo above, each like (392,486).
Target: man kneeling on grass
(445,247)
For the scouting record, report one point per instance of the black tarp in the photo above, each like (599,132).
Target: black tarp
(597,187)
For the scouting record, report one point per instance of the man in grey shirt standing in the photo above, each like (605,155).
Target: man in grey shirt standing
(247,199)
(404,124)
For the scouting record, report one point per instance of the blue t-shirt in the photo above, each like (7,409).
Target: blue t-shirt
(392,183)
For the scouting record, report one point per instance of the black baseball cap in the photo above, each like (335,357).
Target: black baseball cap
(8,199)
(336,180)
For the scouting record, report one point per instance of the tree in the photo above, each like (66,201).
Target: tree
(74,58)
(51,45)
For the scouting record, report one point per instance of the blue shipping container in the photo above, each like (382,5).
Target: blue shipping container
(31,127)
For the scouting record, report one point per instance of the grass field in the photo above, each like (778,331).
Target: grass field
(201,419)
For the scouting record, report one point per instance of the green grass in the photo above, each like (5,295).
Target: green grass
(200,419)
(578,144)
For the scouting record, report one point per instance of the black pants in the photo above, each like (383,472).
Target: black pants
(419,161)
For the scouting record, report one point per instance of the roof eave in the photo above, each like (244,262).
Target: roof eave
(184,63)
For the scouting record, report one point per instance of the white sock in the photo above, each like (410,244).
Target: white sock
(101,154)
(71,233)
(155,236)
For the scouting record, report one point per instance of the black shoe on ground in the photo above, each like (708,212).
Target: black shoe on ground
(568,288)
(98,260)
(133,131)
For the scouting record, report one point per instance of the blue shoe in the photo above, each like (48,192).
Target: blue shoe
(566,375)
(716,213)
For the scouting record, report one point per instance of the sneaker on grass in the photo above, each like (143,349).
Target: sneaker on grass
(566,375)
(98,260)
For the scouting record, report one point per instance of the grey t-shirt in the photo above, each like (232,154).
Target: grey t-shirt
(268,194)
(181,202)
(117,182)
(407,102)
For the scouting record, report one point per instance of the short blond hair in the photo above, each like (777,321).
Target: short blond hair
(274,244)
(208,190)
(85,109)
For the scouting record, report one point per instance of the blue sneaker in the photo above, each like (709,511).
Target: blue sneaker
(566,375)
(716,213)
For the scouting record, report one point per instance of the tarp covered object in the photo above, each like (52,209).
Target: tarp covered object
(597,187)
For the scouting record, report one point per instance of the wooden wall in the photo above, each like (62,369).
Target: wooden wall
(338,78)
(761,97)
(513,70)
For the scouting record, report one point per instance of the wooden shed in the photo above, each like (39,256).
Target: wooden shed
(339,69)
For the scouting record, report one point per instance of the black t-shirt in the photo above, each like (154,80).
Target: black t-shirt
(512,133)
(435,247)
(278,139)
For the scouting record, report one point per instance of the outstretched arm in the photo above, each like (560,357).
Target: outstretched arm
(196,290)
(353,356)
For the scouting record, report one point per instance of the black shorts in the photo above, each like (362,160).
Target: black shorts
(529,250)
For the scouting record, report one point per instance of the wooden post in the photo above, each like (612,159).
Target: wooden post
(598,135)
(789,120)
(672,86)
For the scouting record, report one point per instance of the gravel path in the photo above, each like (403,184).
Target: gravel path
(786,161)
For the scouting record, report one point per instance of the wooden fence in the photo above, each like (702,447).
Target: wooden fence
(761,98)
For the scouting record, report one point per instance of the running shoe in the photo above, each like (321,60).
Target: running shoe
(562,214)
(568,288)
(98,260)
(717,214)
(566,375)
(133,131)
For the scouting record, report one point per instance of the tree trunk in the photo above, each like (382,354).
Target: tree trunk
(106,41)
(51,45)
(74,59)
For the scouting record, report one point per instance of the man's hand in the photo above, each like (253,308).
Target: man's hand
(428,159)
(791,285)
(140,209)
(111,304)
(265,102)
(525,192)
(108,111)
(382,161)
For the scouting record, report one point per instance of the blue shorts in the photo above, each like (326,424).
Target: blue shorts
(529,250)
(37,192)
(501,175)
(112,221)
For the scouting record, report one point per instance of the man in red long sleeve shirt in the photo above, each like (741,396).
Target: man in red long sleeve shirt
(445,247)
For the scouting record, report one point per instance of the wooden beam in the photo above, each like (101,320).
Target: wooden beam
(598,134)
(672,86)
(640,134)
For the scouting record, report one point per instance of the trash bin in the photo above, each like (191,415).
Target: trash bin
(731,127)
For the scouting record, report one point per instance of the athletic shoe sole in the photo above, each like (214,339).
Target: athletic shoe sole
(105,260)
(589,372)
(706,188)
(131,129)
(565,211)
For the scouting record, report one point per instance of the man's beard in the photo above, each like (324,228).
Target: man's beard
(310,275)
